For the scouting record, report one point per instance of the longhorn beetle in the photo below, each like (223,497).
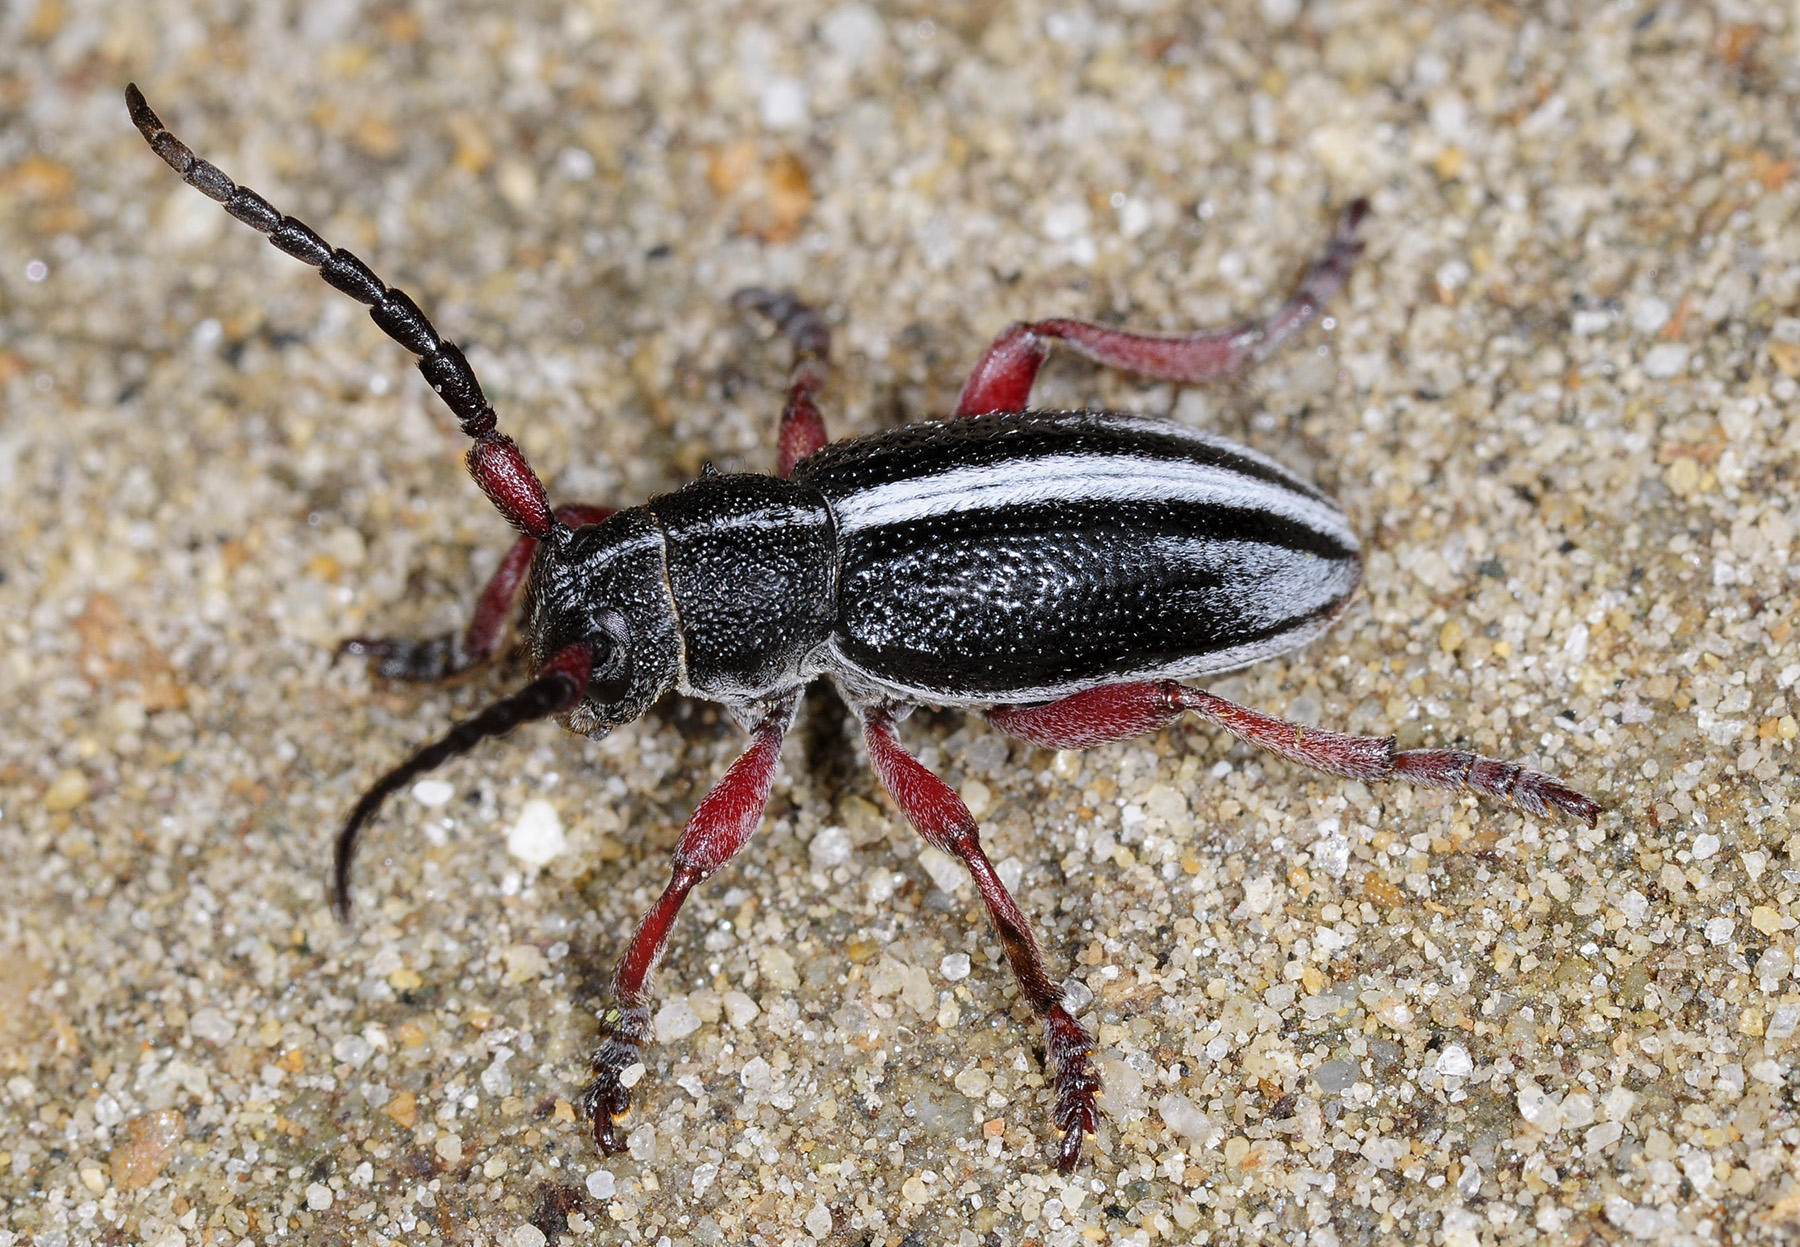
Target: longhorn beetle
(1058,572)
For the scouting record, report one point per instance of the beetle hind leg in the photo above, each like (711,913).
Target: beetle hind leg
(1121,711)
(944,821)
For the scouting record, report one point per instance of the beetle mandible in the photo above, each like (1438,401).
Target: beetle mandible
(1058,572)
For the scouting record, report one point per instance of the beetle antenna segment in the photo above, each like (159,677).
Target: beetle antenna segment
(558,687)
(496,463)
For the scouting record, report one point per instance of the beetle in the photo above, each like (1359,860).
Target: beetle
(1058,572)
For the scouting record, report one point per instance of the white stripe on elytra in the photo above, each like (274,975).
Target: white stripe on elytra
(1079,478)
(1280,586)
(1155,426)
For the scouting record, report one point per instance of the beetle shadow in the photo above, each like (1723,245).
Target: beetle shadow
(826,728)
(829,742)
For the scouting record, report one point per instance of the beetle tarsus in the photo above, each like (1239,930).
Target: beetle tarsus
(802,427)
(1076,1116)
(1532,791)
(415,660)
(606,1099)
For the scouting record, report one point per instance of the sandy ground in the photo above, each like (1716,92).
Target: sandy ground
(1557,399)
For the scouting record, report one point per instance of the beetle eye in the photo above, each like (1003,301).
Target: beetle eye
(610,679)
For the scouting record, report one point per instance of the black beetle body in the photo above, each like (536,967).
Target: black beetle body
(996,560)
(1059,572)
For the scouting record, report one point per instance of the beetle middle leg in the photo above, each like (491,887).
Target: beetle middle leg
(802,427)
(1121,711)
(940,816)
(1001,380)
(427,659)
(720,825)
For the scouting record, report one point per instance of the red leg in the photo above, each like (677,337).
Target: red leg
(1096,717)
(1002,378)
(945,822)
(721,825)
(1121,711)
(802,427)
(424,659)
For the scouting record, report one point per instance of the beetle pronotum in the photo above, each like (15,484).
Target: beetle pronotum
(1058,572)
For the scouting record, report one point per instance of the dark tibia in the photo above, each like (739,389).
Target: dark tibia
(427,659)
(1121,711)
(424,659)
(1001,380)
(944,821)
(802,427)
(558,687)
(719,827)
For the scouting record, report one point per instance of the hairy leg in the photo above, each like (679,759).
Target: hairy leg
(802,427)
(1121,711)
(720,826)
(1002,378)
(945,822)
(426,659)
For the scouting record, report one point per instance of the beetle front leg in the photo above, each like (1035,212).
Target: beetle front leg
(1121,711)
(1002,378)
(940,816)
(428,659)
(802,427)
(720,826)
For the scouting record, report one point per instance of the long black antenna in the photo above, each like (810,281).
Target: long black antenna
(558,687)
(497,465)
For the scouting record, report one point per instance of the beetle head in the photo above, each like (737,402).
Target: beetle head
(603,639)
(605,586)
